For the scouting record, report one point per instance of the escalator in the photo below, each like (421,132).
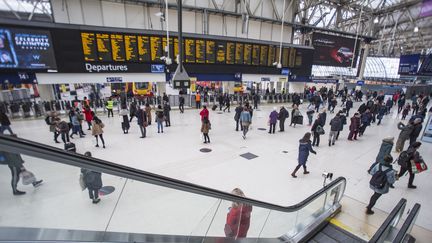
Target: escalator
(146,207)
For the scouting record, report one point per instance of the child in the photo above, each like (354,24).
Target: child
(205,127)
(405,111)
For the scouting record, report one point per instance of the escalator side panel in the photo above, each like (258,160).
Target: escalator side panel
(340,235)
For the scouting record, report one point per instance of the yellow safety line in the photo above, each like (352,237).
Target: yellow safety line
(341,225)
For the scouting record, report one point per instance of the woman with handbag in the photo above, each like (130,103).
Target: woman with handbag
(413,157)
(97,126)
(316,130)
(238,218)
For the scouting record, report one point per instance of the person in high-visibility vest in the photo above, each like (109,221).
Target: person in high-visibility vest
(109,106)
(198,101)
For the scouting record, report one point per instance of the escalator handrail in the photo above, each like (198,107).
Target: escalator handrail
(394,213)
(407,224)
(43,151)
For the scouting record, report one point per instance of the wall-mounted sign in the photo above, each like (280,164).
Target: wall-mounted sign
(114,79)
(360,82)
(263,79)
(285,71)
(157,68)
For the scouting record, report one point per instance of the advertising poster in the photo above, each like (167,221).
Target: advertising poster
(26,49)
(333,50)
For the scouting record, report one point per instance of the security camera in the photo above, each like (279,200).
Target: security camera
(275,63)
(327,175)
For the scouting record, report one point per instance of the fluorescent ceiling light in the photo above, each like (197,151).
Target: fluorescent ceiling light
(416,29)
(376,20)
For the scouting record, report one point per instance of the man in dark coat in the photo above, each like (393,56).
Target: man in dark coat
(166,111)
(142,121)
(354,126)
(238,111)
(323,117)
(283,115)
(5,123)
(348,106)
(92,181)
(365,119)
(416,130)
(335,126)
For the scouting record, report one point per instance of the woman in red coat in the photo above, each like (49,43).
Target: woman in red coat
(238,218)
(88,114)
(204,113)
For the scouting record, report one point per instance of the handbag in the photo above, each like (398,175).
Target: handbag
(27,177)
(123,112)
(82,182)
(320,130)
(418,167)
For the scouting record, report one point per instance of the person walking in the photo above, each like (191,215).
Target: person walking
(273,120)
(354,127)
(365,119)
(389,105)
(335,127)
(110,107)
(159,118)
(75,125)
(238,111)
(97,130)
(63,128)
(295,115)
(381,112)
(148,110)
(52,120)
(343,121)
(142,121)
(245,120)
(323,117)
(416,130)
(383,176)
(406,110)
(5,123)
(256,99)
(181,103)
(316,129)
(132,110)
(88,115)
(401,104)
(304,148)
(385,149)
(125,124)
(412,155)
(205,128)
(283,115)
(92,181)
(204,113)
(404,134)
(166,111)
(238,218)
(309,114)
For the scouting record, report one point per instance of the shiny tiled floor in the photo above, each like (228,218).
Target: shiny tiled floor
(175,153)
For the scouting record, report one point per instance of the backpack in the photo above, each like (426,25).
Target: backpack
(379,179)
(404,159)
(48,120)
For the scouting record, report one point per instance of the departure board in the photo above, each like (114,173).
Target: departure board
(103,47)
(271,55)
(230,53)
(200,51)
(131,48)
(277,54)
(210,51)
(292,58)
(285,54)
(171,46)
(247,54)
(118,48)
(189,50)
(89,46)
(221,52)
(298,58)
(264,56)
(156,48)
(176,48)
(143,49)
(255,55)
(239,53)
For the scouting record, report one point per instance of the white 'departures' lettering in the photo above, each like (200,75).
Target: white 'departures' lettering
(99,68)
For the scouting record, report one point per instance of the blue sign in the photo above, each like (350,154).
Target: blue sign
(265,79)
(325,81)
(360,82)
(157,68)
(285,71)
(408,64)
(114,79)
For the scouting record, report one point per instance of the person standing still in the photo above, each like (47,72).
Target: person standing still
(238,111)
(198,100)
(314,129)
(205,128)
(92,181)
(181,103)
(166,110)
(142,121)
(283,115)
(97,130)
(110,106)
(273,120)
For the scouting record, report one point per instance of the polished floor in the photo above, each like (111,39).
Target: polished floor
(59,203)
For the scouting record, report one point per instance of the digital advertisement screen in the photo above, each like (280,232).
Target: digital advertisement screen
(26,49)
(333,50)
(409,64)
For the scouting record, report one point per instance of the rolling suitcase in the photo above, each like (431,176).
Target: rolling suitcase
(214,107)
(70,147)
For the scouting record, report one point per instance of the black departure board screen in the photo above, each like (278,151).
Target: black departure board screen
(103,47)
(271,55)
(230,53)
(189,50)
(131,48)
(221,52)
(143,49)
(298,58)
(255,55)
(200,51)
(89,46)
(277,52)
(285,54)
(176,47)
(292,57)
(170,46)
(239,53)
(264,56)
(118,48)
(156,48)
(247,54)
(210,51)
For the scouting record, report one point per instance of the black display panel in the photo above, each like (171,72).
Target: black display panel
(26,49)
(331,50)
(255,55)
(131,48)
(118,48)
(285,55)
(247,54)
(189,50)
(230,52)
(292,58)
(144,49)
(89,46)
(176,47)
(271,55)
(221,52)
(264,56)
(156,48)
(103,47)
(210,52)
(200,51)
(239,53)
(170,46)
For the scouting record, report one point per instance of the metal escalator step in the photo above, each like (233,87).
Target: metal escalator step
(340,235)
(323,238)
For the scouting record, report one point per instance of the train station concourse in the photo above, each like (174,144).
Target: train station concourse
(215,121)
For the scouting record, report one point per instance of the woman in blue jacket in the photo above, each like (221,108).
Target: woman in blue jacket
(304,148)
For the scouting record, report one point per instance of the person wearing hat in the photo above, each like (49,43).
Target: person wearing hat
(384,166)
(272,120)
(416,130)
(385,149)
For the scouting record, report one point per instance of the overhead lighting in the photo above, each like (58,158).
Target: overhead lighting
(416,29)
(376,20)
